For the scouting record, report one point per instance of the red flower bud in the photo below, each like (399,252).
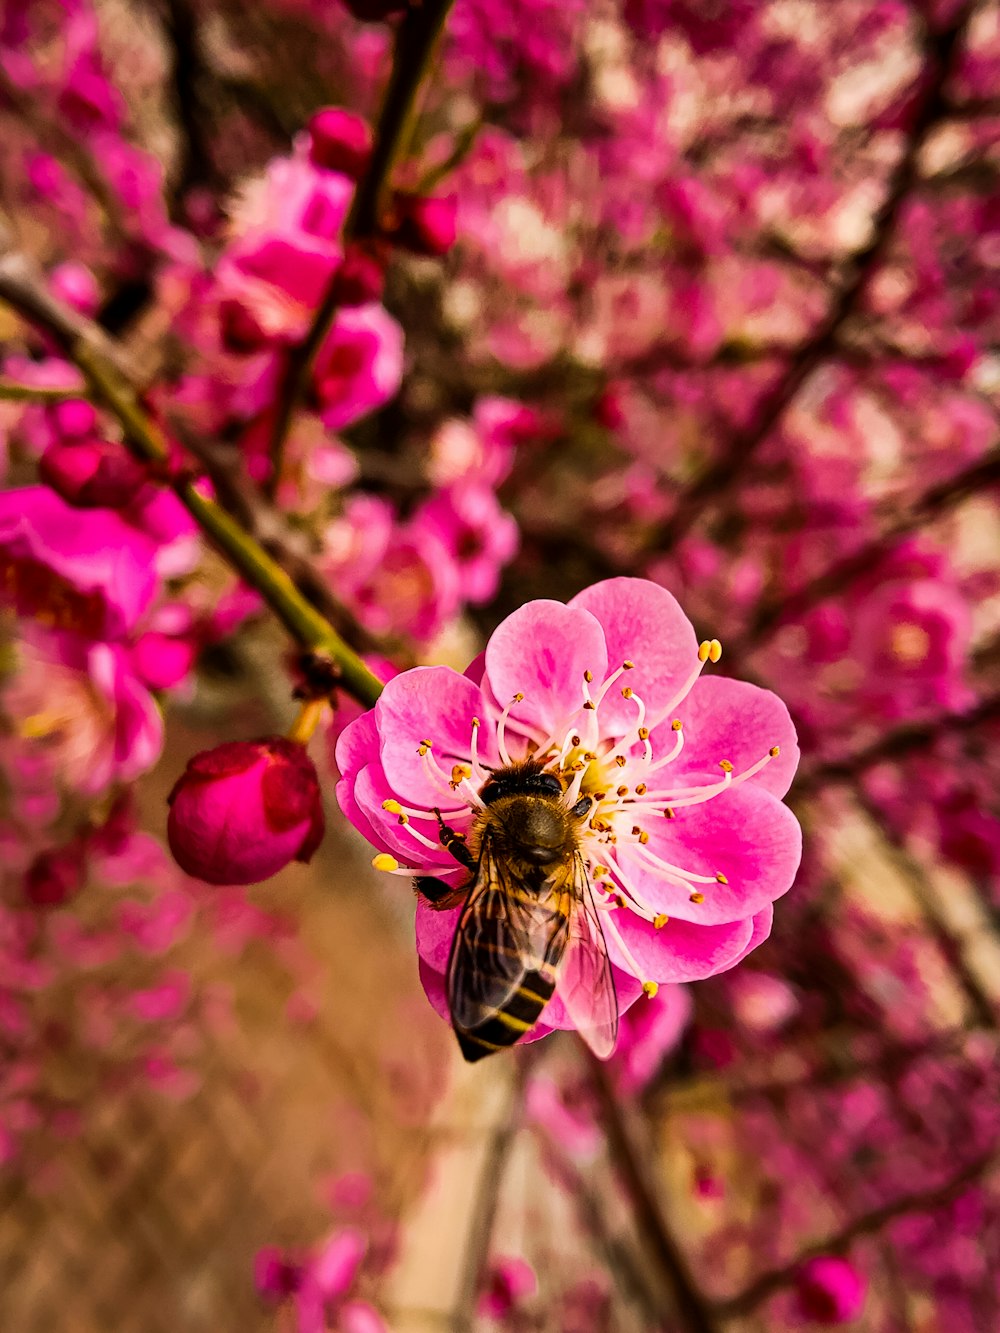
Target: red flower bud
(425,226)
(92,474)
(242,811)
(360,278)
(53,878)
(830,1291)
(240,330)
(341,141)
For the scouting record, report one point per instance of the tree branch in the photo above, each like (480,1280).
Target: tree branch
(416,41)
(106,369)
(941,51)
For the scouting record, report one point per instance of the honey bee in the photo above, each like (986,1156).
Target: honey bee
(528,919)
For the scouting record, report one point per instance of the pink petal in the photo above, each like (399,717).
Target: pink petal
(761,929)
(370,790)
(745,834)
(680,951)
(731,719)
(643,624)
(542,651)
(436,704)
(356,747)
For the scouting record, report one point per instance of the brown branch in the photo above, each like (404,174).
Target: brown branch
(941,51)
(633,1167)
(934,502)
(867,1224)
(895,745)
(416,41)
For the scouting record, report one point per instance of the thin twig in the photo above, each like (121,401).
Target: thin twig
(35,393)
(416,42)
(941,50)
(634,1169)
(867,1224)
(895,744)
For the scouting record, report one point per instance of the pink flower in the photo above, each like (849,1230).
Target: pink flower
(92,473)
(648,1033)
(360,365)
(509,1282)
(685,840)
(480,536)
(89,571)
(82,703)
(340,140)
(426,226)
(830,1291)
(242,811)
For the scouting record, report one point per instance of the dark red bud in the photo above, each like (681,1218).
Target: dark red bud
(239,328)
(425,226)
(341,141)
(92,474)
(53,878)
(360,279)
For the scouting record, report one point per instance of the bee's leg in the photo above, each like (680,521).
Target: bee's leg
(455,843)
(440,895)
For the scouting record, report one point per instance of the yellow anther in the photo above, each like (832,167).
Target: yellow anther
(774,751)
(574,741)
(619,900)
(704,648)
(627,666)
(640,789)
(620,760)
(636,830)
(644,837)
(393,807)
(720,877)
(627,692)
(649,989)
(384,862)
(589,703)
(403,819)
(588,676)
(460,771)
(476,722)
(622,791)
(714,650)
(644,733)
(660,921)
(422,750)
(725,765)
(429,744)
(677,724)
(668,813)
(518,698)
(600,871)
(697,897)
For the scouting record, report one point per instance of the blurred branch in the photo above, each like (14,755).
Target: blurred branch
(416,41)
(188,75)
(937,500)
(636,1170)
(867,1224)
(941,50)
(34,393)
(895,744)
(107,371)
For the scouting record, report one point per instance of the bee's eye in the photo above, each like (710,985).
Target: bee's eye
(549,782)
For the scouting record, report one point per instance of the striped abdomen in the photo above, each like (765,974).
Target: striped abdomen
(510,1022)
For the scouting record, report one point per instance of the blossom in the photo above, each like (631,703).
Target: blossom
(480,536)
(242,811)
(83,570)
(686,841)
(359,366)
(830,1291)
(648,1033)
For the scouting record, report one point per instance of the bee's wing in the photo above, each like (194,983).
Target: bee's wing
(508,928)
(586,982)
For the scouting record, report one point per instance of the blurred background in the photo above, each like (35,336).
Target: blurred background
(704,291)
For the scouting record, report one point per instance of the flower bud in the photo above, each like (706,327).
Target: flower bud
(53,878)
(426,226)
(830,1291)
(360,278)
(92,473)
(341,141)
(242,811)
(240,329)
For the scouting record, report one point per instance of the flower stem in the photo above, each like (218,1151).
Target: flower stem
(34,393)
(416,41)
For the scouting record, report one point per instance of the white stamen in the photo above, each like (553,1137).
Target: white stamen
(478,772)
(502,729)
(669,758)
(685,689)
(609,924)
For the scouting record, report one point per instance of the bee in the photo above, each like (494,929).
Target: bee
(528,919)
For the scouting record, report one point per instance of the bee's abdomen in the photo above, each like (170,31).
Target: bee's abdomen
(509,1024)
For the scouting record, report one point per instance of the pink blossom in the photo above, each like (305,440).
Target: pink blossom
(82,702)
(89,571)
(480,536)
(693,890)
(426,226)
(340,140)
(830,1291)
(359,366)
(242,811)
(648,1033)
(92,473)
(509,1282)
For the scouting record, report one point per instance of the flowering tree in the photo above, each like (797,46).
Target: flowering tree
(434,366)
